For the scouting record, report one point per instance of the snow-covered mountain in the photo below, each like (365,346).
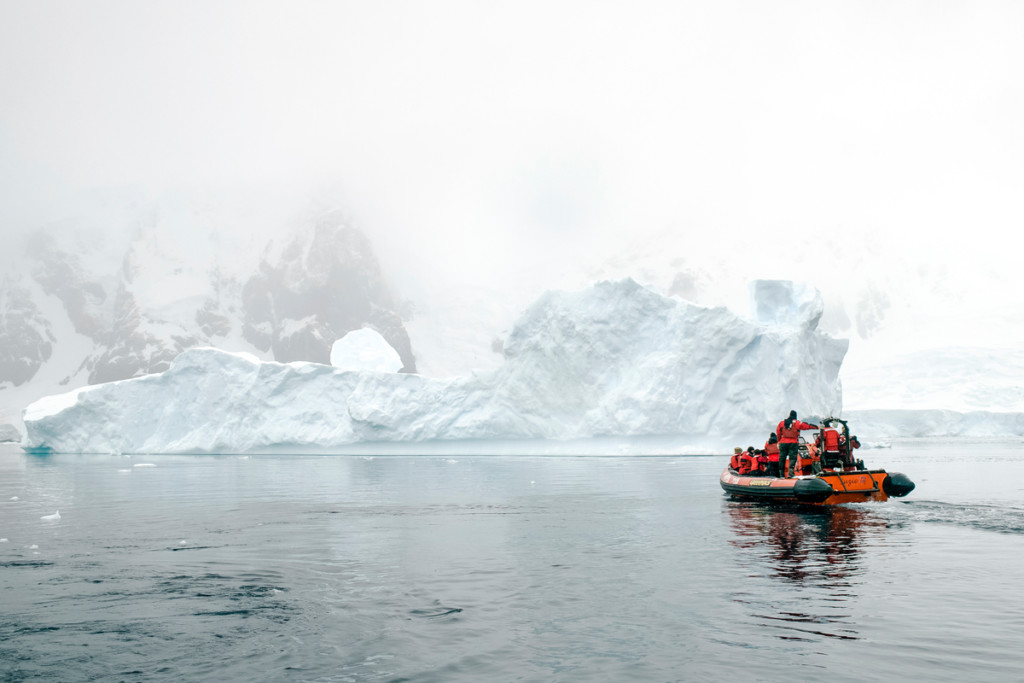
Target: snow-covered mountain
(87,303)
(614,359)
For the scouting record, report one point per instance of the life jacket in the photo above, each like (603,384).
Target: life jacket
(747,463)
(792,434)
(772,449)
(734,462)
(831,441)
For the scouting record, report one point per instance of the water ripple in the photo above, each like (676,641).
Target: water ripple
(1003,519)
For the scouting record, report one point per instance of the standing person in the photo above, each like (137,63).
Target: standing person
(789,441)
(771,448)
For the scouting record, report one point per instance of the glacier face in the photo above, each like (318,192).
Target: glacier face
(613,359)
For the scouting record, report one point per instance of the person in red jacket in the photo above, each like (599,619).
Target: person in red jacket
(748,463)
(789,440)
(771,449)
(762,462)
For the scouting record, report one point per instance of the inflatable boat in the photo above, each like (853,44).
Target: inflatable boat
(826,478)
(827,488)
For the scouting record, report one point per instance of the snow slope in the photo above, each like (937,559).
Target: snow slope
(614,359)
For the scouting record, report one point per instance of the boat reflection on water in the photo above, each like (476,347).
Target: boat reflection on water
(817,550)
(807,547)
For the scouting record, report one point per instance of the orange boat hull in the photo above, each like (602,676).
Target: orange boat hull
(827,488)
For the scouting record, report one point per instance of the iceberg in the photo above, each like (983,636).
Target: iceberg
(9,433)
(613,360)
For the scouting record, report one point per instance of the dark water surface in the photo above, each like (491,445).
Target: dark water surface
(501,568)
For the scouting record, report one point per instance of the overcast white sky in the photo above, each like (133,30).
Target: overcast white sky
(478,133)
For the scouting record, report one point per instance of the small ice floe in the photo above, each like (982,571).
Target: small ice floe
(367,457)
(450,461)
(125,471)
(33,546)
(183,542)
(14,498)
(144,464)
(55,516)
(532,483)
(3,540)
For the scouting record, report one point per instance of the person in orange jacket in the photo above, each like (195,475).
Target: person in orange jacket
(771,449)
(734,461)
(789,440)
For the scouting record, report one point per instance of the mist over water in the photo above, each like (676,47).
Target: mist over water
(480,143)
(502,567)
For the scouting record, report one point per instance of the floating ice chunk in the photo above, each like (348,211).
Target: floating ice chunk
(33,546)
(450,461)
(125,471)
(144,464)
(14,498)
(365,350)
(55,516)
(183,542)
(3,540)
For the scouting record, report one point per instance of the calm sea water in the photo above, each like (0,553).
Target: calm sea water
(501,568)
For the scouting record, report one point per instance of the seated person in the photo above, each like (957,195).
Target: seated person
(846,452)
(748,464)
(734,461)
(771,449)
(831,449)
(763,466)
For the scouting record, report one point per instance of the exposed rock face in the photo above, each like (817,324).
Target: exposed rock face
(60,271)
(326,283)
(26,337)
